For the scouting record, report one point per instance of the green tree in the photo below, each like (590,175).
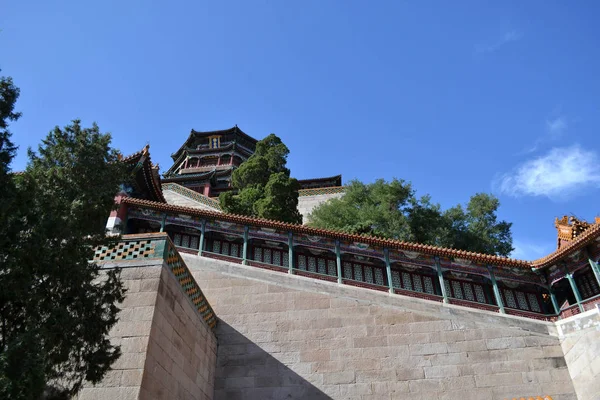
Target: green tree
(391,210)
(56,308)
(263,186)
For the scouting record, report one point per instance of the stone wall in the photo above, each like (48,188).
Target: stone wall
(580,340)
(169,352)
(283,336)
(179,200)
(132,334)
(307,203)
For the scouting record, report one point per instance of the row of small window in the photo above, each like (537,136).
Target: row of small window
(376,275)
(520,300)
(271,256)
(183,240)
(587,285)
(465,291)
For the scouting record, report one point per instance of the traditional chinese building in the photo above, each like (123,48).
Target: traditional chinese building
(314,313)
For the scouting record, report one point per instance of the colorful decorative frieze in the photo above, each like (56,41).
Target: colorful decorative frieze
(146,214)
(158,246)
(225,227)
(131,250)
(267,234)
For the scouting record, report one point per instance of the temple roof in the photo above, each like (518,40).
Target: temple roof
(196,134)
(145,174)
(320,182)
(581,241)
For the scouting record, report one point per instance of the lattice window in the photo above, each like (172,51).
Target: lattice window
(469,295)
(379,277)
(417,283)
(533,302)
(217,246)
(428,282)
(286,259)
(479,293)
(358,275)
(510,299)
(235,250)
(347,270)
(194,242)
(276,257)
(447,286)
(258,254)
(312,264)
(177,239)
(396,279)
(267,256)
(302,262)
(185,241)
(522,301)
(322,266)
(225,249)
(331,268)
(456,287)
(368,274)
(406,281)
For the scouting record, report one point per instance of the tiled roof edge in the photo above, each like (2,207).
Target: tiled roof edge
(296,228)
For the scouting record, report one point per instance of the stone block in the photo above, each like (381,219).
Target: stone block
(370,342)
(426,385)
(467,346)
(339,378)
(505,343)
(441,371)
(409,374)
(428,348)
(502,379)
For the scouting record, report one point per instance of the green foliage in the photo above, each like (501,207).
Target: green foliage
(56,309)
(263,185)
(391,210)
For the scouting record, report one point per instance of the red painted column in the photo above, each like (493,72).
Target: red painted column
(207,190)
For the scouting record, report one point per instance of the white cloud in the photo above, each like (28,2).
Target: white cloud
(557,174)
(529,251)
(557,127)
(508,37)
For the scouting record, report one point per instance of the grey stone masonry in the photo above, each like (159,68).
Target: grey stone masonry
(580,341)
(132,333)
(168,350)
(283,336)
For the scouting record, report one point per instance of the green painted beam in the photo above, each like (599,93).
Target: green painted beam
(245,248)
(338,260)
(388,268)
(595,269)
(202,231)
(553,299)
(163,222)
(496,290)
(290,253)
(440,274)
(575,291)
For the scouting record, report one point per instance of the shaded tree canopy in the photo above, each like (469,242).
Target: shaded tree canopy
(391,210)
(56,309)
(263,186)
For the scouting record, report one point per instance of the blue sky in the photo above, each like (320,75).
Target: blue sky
(457,97)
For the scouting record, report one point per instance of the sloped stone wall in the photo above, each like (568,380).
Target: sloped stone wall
(182,349)
(284,336)
(169,352)
(580,341)
(132,333)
